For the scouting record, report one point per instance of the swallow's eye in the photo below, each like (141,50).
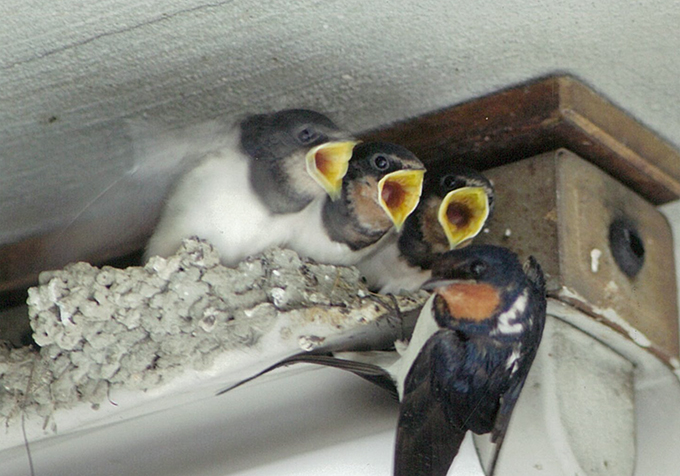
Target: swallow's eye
(451,182)
(380,162)
(477,268)
(307,135)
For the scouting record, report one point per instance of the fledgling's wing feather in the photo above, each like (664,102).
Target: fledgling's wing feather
(157,155)
(158,148)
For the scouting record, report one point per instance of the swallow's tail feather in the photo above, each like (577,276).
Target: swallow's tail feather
(426,441)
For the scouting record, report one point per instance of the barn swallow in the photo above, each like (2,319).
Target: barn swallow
(241,194)
(469,355)
(455,204)
(467,359)
(382,187)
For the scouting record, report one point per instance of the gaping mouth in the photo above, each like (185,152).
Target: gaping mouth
(399,193)
(327,165)
(462,214)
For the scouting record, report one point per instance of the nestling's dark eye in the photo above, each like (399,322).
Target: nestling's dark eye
(477,268)
(451,182)
(307,135)
(380,162)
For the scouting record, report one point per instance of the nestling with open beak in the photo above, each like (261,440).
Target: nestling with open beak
(455,204)
(380,190)
(242,196)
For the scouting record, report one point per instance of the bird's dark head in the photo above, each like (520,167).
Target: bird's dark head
(476,283)
(281,133)
(304,144)
(480,264)
(454,207)
(448,176)
(461,200)
(383,182)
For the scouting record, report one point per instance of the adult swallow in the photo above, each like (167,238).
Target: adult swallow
(240,196)
(382,187)
(469,356)
(455,204)
(467,359)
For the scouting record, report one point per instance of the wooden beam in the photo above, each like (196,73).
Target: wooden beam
(533,118)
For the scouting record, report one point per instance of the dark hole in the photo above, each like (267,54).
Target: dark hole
(635,243)
(627,247)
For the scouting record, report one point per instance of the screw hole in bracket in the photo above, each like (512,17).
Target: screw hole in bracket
(626,246)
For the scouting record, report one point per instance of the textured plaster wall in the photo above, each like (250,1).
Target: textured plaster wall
(72,71)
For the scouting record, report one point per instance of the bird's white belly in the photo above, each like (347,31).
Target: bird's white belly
(387,271)
(426,326)
(215,202)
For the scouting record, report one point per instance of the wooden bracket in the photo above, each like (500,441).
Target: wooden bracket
(605,250)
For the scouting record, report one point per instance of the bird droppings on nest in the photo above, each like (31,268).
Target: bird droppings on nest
(140,327)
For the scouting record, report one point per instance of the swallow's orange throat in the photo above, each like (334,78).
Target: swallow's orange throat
(475,302)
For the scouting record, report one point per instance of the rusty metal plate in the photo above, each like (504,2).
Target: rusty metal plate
(605,249)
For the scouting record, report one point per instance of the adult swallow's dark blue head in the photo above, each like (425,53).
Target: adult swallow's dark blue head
(484,323)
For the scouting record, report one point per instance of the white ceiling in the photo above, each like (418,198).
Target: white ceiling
(72,72)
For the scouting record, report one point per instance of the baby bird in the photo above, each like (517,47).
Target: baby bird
(455,204)
(380,190)
(240,196)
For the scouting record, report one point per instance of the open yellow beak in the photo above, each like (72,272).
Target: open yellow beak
(327,165)
(399,193)
(462,214)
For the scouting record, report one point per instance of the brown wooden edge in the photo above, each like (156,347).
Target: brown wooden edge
(533,118)
(21,263)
